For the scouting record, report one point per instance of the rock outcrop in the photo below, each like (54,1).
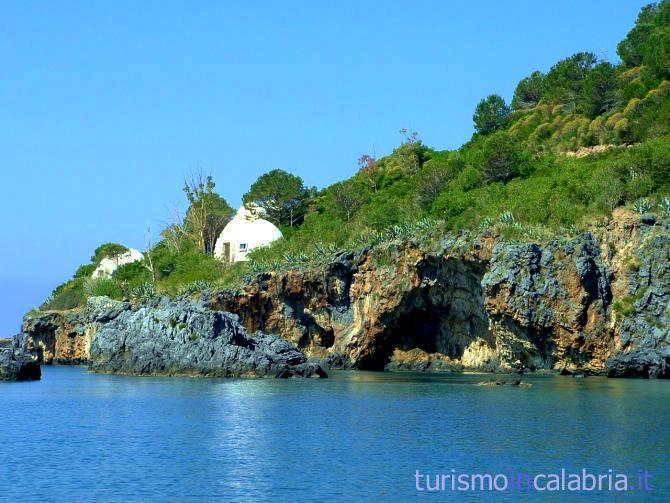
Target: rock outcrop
(479,303)
(64,337)
(18,365)
(186,338)
(646,363)
(595,303)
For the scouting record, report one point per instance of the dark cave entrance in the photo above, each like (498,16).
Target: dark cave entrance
(418,329)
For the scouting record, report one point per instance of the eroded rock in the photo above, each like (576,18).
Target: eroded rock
(186,338)
(18,365)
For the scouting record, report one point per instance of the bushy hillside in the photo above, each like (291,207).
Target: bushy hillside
(531,167)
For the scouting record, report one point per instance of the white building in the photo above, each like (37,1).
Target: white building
(109,265)
(243,233)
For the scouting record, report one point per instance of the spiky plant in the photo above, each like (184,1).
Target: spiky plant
(642,205)
(144,292)
(665,206)
(486,223)
(506,217)
(196,287)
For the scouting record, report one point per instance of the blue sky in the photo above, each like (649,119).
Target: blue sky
(105,105)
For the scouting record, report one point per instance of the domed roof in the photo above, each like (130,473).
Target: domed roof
(248,229)
(242,227)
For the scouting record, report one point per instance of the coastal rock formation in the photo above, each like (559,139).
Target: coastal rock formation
(479,303)
(647,363)
(594,303)
(18,365)
(547,305)
(185,338)
(64,338)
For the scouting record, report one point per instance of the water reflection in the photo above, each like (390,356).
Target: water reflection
(361,433)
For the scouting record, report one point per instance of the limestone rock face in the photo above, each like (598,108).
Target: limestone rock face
(646,363)
(186,338)
(480,303)
(596,303)
(548,304)
(64,338)
(18,365)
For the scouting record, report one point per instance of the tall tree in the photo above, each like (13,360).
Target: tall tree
(528,92)
(348,198)
(648,43)
(491,114)
(208,212)
(282,195)
(369,167)
(502,158)
(564,81)
(598,92)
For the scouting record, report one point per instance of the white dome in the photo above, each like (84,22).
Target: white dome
(109,265)
(244,233)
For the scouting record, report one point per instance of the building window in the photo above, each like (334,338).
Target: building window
(243,247)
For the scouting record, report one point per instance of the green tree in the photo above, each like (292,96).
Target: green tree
(107,250)
(657,54)
(564,81)
(648,43)
(212,222)
(348,197)
(502,159)
(598,94)
(528,92)
(491,114)
(282,195)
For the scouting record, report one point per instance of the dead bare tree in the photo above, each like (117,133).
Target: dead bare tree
(198,188)
(208,212)
(148,259)
(173,230)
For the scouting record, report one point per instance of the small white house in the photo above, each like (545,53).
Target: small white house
(109,265)
(243,233)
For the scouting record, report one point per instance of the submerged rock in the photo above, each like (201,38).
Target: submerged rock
(184,337)
(494,382)
(18,365)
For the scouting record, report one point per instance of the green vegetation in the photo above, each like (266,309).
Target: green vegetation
(626,306)
(577,141)
(281,195)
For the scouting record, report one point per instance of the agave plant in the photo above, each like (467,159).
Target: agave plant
(486,223)
(379,237)
(255,266)
(665,206)
(196,286)
(360,242)
(332,249)
(506,217)
(48,300)
(144,292)
(289,258)
(642,205)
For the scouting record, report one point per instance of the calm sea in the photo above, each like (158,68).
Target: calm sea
(358,436)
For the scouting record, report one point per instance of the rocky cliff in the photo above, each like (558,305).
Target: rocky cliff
(186,338)
(17,364)
(161,337)
(595,303)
